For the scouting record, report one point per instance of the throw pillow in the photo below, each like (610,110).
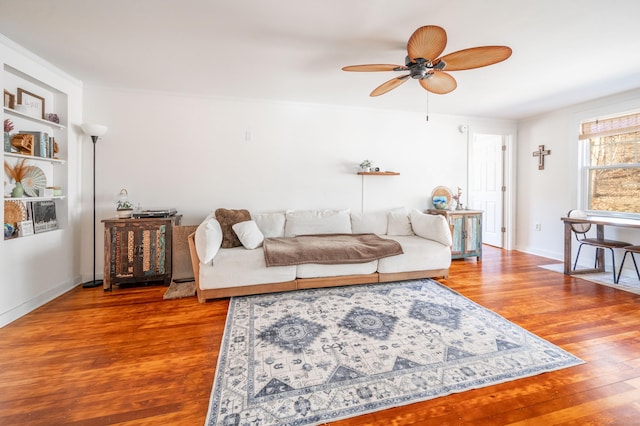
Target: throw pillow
(431,226)
(369,223)
(399,223)
(227,219)
(270,224)
(208,239)
(249,234)
(307,222)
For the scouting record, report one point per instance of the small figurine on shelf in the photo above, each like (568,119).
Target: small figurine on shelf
(365,166)
(17,171)
(9,230)
(8,127)
(456,197)
(125,207)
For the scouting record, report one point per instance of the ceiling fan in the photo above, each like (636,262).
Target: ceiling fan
(424,63)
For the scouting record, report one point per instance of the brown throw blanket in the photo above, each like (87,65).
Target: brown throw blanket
(328,249)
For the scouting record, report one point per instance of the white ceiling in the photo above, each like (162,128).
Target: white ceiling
(564,51)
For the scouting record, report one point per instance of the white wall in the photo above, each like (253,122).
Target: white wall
(197,154)
(544,196)
(38,268)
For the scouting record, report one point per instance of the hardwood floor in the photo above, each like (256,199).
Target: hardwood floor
(131,358)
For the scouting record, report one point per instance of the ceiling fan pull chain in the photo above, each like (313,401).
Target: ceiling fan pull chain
(427,106)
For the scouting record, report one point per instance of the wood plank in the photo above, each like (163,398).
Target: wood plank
(337,281)
(129,357)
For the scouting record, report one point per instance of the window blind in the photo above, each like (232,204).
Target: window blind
(610,126)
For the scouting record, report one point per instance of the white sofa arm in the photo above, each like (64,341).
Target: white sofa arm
(432,227)
(208,239)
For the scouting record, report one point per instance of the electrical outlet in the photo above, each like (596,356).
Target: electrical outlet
(538,227)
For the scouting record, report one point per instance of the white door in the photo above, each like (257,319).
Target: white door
(486,181)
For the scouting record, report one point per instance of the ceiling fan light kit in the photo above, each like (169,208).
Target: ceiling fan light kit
(424,63)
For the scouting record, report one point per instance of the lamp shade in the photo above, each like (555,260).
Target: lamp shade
(94,129)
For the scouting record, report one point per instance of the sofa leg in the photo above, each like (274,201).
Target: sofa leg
(201,298)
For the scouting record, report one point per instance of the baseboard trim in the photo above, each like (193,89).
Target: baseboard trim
(36,302)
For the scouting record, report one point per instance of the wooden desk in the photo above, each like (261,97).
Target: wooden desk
(600,223)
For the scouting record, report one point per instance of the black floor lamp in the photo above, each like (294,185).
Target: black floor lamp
(95,131)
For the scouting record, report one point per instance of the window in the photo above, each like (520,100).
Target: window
(612,163)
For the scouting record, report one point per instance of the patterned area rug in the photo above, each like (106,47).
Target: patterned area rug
(313,356)
(628,281)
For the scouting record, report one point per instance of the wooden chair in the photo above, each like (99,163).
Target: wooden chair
(627,250)
(599,243)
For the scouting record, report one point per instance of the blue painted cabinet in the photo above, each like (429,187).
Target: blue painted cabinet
(466,229)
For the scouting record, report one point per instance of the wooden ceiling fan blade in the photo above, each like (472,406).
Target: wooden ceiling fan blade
(389,85)
(475,57)
(427,42)
(374,67)
(439,82)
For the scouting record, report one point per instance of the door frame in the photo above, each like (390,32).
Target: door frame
(509,176)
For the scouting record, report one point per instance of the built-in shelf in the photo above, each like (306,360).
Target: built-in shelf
(39,214)
(16,237)
(378,173)
(30,199)
(11,111)
(33,157)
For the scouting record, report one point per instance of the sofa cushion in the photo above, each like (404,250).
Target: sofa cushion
(270,224)
(208,239)
(431,226)
(308,222)
(227,218)
(316,270)
(399,223)
(248,234)
(369,222)
(419,255)
(239,267)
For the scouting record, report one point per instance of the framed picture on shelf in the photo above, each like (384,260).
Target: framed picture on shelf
(32,101)
(44,216)
(25,228)
(9,99)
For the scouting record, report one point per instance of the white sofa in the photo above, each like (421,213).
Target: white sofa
(224,272)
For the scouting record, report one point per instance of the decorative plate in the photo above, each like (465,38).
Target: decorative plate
(34,180)
(14,212)
(442,195)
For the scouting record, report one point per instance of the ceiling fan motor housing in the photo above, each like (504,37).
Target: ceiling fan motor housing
(419,67)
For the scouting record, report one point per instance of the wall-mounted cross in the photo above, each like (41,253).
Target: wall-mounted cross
(540,153)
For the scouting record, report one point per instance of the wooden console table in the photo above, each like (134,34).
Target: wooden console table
(138,250)
(600,223)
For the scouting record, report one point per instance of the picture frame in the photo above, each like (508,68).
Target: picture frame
(31,101)
(44,216)
(25,228)
(9,99)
